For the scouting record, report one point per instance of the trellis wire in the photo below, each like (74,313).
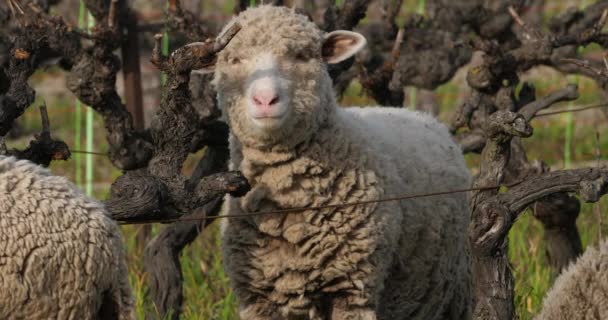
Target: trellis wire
(96,153)
(571,110)
(330,206)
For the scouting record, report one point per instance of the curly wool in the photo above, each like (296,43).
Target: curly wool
(581,291)
(61,256)
(390,260)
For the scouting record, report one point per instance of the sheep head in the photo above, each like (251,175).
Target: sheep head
(272,79)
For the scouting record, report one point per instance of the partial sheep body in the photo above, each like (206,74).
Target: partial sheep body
(389,260)
(581,290)
(61,256)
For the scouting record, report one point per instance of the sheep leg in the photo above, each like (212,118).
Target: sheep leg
(265,310)
(117,305)
(260,310)
(118,302)
(342,310)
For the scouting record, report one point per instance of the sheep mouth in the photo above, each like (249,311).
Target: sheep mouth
(269,122)
(269,116)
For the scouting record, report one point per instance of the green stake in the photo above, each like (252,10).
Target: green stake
(163,76)
(420,9)
(414,90)
(165,50)
(568,140)
(413,93)
(78,111)
(89,134)
(570,120)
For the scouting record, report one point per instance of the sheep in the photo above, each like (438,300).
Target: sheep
(581,290)
(61,256)
(389,260)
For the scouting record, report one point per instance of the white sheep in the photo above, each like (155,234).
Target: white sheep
(389,260)
(61,256)
(581,290)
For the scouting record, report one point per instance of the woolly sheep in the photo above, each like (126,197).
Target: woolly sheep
(61,256)
(581,291)
(389,260)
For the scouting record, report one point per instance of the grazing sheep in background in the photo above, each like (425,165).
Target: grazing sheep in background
(61,257)
(390,260)
(581,290)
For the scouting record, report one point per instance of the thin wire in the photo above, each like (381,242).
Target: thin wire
(330,206)
(550,113)
(89,152)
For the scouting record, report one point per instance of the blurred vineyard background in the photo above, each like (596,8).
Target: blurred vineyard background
(206,287)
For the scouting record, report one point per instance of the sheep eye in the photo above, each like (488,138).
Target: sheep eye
(234,60)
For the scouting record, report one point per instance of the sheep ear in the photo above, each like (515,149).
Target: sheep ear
(340,45)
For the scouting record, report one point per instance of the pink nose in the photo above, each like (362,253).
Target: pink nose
(265,98)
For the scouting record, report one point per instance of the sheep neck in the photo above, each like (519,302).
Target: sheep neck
(328,168)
